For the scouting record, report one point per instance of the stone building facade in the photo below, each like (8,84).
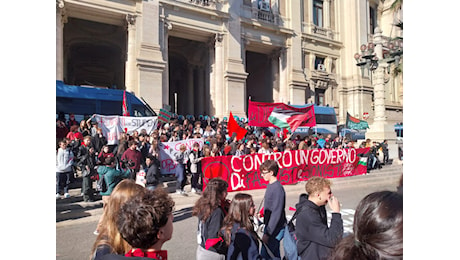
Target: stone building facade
(212,56)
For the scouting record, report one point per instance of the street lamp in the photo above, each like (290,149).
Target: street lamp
(392,51)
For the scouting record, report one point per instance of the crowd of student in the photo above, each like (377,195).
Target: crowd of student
(138,221)
(82,146)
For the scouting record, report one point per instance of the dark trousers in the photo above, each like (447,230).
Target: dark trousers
(274,246)
(195,178)
(87,188)
(385,157)
(63,177)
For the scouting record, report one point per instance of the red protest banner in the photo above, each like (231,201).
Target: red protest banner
(258,113)
(242,172)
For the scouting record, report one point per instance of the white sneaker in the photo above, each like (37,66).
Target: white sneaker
(96,232)
(58,196)
(178,192)
(66,195)
(193,190)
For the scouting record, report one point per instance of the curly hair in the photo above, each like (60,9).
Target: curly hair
(141,218)
(377,229)
(238,213)
(316,184)
(109,234)
(210,199)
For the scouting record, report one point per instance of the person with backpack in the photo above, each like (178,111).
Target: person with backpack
(111,176)
(238,229)
(315,239)
(211,209)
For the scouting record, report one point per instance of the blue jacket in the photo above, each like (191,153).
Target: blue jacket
(243,245)
(112,177)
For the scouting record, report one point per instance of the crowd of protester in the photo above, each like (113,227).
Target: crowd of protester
(89,148)
(137,221)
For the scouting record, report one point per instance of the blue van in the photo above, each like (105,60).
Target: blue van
(326,122)
(84,101)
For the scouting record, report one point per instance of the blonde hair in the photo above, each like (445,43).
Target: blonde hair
(316,184)
(109,234)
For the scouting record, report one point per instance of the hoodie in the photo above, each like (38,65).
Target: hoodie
(112,177)
(64,160)
(314,238)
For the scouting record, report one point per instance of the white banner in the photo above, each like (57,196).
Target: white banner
(167,149)
(113,126)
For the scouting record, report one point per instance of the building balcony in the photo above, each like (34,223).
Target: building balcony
(270,17)
(320,32)
(212,5)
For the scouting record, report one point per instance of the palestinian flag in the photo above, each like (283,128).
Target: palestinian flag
(355,123)
(125,105)
(291,119)
(164,116)
(362,161)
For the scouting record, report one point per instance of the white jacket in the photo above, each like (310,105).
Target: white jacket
(64,160)
(193,162)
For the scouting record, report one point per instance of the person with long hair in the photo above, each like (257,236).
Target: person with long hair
(238,230)
(377,229)
(211,209)
(109,239)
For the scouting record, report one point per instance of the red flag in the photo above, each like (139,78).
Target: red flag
(233,127)
(259,112)
(125,105)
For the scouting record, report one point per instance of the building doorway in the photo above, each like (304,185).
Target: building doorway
(188,62)
(94,54)
(259,83)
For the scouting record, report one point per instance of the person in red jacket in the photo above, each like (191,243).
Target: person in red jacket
(132,155)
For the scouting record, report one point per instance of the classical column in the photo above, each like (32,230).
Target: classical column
(199,92)
(219,76)
(188,95)
(381,129)
(274,57)
(164,37)
(327,14)
(283,89)
(211,74)
(60,20)
(131,57)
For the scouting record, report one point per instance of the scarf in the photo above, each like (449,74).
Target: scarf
(159,255)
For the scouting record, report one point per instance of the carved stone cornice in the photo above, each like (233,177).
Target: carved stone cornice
(131,20)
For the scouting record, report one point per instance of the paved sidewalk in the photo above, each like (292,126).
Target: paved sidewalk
(75,210)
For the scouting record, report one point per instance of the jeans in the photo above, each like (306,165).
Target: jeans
(181,179)
(60,177)
(274,246)
(195,177)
